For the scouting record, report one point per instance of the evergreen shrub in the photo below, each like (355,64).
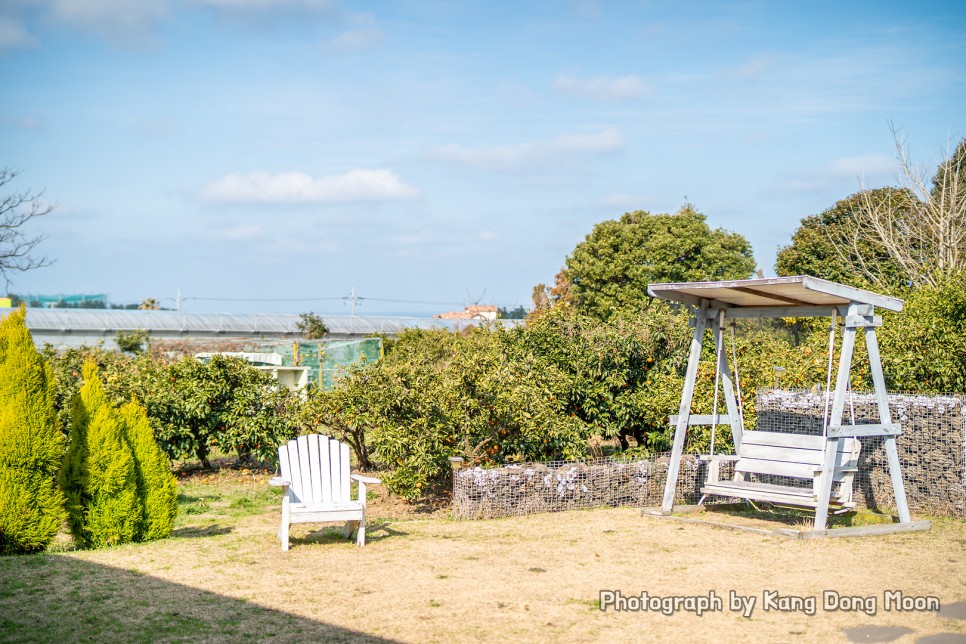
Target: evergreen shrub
(99,476)
(31,444)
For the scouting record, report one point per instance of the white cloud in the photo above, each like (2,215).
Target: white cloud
(13,35)
(604,88)
(533,154)
(587,9)
(296,187)
(868,170)
(241,232)
(116,19)
(868,165)
(754,68)
(24,121)
(357,39)
(269,5)
(262,14)
(625,201)
(488,236)
(412,239)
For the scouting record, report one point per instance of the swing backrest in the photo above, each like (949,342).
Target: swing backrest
(793,455)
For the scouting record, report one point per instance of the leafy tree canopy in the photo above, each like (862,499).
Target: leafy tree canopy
(611,269)
(827,246)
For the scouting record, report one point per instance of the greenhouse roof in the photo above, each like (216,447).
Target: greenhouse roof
(99,321)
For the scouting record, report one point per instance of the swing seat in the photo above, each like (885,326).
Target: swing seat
(789,456)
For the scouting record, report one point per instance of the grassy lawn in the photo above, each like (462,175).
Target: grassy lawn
(425,577)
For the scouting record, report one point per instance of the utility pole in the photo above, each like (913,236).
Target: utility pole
(352,299)
(177,301)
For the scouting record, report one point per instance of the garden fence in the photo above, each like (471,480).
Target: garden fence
(932,454)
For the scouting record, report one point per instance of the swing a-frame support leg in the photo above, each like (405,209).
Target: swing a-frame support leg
(860,317)
(687,396)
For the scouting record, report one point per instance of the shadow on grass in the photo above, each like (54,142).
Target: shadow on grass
(193,532)
(57,598)
(801,517)
(375,532)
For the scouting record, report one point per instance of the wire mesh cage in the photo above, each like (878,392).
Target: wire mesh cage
(932,454)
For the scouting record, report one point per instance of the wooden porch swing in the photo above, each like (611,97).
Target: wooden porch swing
(828,463)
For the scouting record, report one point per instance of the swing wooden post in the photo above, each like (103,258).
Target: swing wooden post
(684,411)
(829,461)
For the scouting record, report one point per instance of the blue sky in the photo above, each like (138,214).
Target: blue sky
(444,152)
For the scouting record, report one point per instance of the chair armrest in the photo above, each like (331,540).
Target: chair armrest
(364,479)
(279,481)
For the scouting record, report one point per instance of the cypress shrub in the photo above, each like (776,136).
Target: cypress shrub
(98,475)
(156,485)
(31,445)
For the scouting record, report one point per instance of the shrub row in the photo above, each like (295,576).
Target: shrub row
(115,483)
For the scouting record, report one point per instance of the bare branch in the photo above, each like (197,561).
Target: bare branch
(921,228)
(17,210)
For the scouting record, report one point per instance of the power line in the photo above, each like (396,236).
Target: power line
(264,299)
(379,299)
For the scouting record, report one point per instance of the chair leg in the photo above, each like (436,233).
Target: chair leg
(283,535)
(361,531)
(347,529)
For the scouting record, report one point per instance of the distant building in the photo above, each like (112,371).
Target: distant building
(482,312)
(73,327)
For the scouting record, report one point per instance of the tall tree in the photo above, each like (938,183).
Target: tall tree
(827,246)
(925,234)
(17,245)
(611,269)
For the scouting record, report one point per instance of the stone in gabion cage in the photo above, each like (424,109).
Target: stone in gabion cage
(932,454)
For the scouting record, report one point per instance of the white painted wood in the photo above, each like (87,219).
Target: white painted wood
(835,419)
(344,470)
(810,291)
(863,320)
(798,296)
(364,479)
(870,429)
(770,312)
(315,486)
(314,468)
(882,401)
(775,468)
(695,420)
(295,474)
(687,393)
(325,469)
(866,530)
(305,468)
(335,471)
(810,457)
(853,295)
(727,386)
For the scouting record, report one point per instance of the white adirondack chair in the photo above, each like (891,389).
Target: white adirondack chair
(315,483)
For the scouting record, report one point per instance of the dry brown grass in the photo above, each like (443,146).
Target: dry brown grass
(434,579)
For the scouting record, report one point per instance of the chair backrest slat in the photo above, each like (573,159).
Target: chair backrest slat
(344,471)
(325,469)
(295,476)
(336,472)
(305,468)
(317,468)
(314,468)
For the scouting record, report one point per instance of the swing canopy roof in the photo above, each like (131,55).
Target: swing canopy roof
(797,296)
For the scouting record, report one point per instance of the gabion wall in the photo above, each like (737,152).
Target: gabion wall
(932,453)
